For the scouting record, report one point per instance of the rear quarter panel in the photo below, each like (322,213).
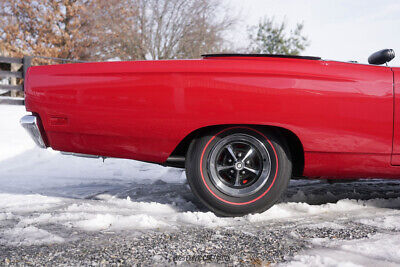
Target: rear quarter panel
(142,110)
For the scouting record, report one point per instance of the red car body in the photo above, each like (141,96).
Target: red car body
(345,117)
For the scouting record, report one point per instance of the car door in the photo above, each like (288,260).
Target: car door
(396,124)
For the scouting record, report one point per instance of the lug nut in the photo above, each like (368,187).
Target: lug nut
(243,172)
(240,154)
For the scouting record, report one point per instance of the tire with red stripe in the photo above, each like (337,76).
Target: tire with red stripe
(238,170)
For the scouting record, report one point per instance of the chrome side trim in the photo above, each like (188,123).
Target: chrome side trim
(30,124)
(80,155)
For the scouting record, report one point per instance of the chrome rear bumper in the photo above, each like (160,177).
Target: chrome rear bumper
(30,123)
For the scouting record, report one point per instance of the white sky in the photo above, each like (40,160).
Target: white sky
(337,29)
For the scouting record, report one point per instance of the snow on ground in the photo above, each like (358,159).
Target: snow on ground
(3,81)
(29,235)
(42,188)
(378,250)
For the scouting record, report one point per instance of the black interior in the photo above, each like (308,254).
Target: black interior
(260,55)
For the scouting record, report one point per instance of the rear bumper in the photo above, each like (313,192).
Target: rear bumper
(30,123)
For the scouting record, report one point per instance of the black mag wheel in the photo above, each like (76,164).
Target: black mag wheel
(239,165)
(238,170)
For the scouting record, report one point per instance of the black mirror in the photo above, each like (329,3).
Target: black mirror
(381,57)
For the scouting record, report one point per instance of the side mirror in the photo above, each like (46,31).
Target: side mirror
(381,57)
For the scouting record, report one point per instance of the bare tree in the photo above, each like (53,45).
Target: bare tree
(104,29)
(55,28)
(165,29)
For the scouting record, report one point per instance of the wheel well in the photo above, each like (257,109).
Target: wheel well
(176,158)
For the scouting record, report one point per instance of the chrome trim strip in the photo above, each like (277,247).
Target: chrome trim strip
(79,155)
(30,124)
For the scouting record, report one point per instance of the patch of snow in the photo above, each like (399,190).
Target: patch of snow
(27,203)
(391,222)
(378,250)
(30,235)
(119,222)
(4,81)
(207,219)
(13,138)
(286,210)
(6,216)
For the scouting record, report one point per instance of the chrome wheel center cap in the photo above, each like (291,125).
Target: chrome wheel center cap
(239,166)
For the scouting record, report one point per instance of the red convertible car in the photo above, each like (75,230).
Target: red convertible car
(241,125)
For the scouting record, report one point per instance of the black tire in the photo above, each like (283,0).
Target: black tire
(241,189)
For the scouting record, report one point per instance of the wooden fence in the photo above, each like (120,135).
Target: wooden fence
(14,70)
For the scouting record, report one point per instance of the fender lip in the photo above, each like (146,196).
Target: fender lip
(30,124)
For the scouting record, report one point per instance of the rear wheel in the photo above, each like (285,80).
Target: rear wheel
(238,170)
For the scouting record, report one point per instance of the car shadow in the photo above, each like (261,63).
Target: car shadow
(178,194)
(317,192)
